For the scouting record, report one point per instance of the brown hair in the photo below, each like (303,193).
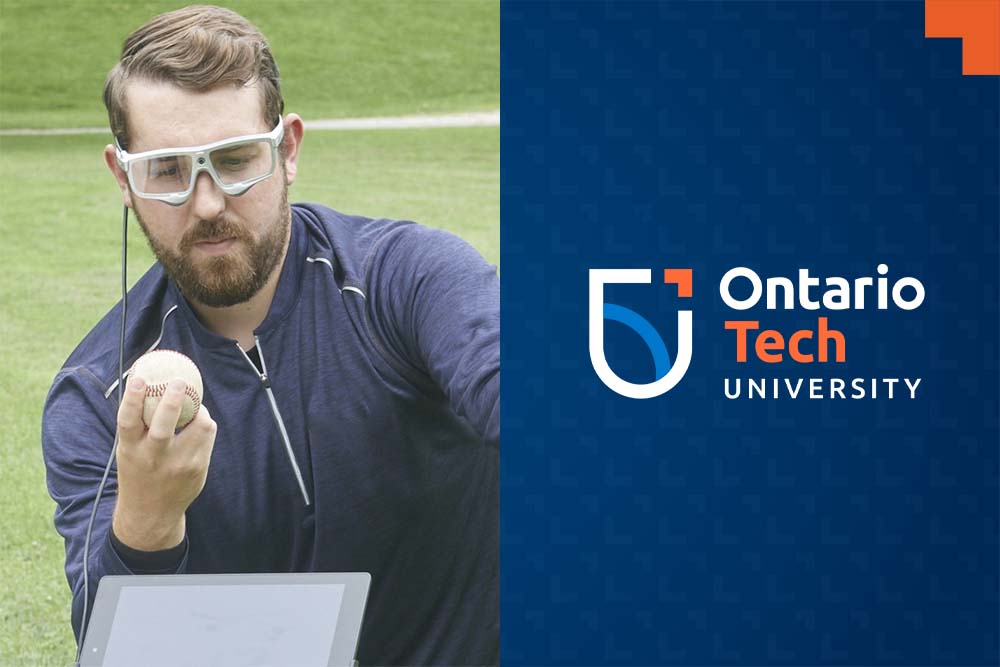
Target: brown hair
(197,48)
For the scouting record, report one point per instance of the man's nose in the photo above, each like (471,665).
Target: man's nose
(207,200)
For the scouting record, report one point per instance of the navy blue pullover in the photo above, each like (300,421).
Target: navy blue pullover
(382,353)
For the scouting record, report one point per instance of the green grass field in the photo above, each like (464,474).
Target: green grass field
(60,212)
(359,58)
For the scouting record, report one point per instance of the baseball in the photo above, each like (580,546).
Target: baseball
(157,369)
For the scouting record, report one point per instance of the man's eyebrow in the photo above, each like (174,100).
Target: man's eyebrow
(230,149)
(177,147)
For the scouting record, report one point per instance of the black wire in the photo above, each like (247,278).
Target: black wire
(114,447)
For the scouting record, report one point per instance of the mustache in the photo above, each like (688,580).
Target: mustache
(205,230)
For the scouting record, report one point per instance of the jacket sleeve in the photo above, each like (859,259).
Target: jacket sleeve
(77,436)
(438,304)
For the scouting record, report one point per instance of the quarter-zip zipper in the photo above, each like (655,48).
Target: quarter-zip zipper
(266,382)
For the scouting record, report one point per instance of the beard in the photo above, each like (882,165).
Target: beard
(230,279)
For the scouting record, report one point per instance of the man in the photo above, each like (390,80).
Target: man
(351,367)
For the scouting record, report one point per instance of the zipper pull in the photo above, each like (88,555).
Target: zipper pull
(266,381)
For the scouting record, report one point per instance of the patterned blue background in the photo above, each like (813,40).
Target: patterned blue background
(690,529)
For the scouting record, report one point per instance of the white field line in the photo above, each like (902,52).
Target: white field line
(473,119)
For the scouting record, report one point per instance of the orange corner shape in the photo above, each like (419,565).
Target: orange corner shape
(976,22)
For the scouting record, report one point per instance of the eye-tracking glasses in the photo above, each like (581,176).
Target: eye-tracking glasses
(169,174)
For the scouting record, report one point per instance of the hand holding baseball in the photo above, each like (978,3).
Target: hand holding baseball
(160,471)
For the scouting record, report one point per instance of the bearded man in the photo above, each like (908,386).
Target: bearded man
(350,419)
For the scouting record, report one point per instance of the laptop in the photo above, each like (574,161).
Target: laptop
(227,620)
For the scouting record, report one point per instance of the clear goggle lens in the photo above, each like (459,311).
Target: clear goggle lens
(232,165)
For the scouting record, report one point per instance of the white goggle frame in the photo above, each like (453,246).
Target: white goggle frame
(201,161)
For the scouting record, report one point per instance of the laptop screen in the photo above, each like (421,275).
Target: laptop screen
(224,625)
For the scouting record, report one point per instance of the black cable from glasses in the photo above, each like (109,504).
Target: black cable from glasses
(114,447)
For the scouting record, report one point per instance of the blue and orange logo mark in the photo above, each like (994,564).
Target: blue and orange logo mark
(668,373)
(976,22)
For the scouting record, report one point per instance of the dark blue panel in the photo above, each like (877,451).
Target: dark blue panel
(691,529)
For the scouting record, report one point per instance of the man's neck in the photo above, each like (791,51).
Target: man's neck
(239,322)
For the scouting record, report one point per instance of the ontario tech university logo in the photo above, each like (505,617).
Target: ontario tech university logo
(756,347)
(668,374)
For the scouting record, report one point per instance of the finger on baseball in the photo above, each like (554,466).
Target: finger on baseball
(197,439)
(164,422)
(204,420)
(130,424)
(201,428)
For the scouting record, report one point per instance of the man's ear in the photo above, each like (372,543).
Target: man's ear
(294,129)
(118,173)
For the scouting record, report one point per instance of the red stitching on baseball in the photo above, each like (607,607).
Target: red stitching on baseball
(156,390)
(195,398)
